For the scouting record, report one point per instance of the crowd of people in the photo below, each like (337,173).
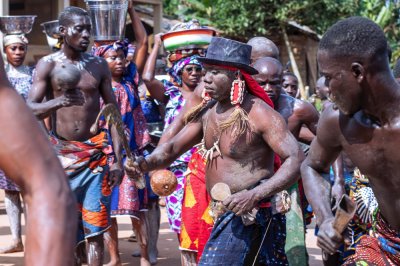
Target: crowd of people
(254,163)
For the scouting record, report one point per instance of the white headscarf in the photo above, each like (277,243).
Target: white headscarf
(14,38)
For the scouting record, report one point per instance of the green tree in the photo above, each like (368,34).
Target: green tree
(387,15)
(189,9)
(241,19)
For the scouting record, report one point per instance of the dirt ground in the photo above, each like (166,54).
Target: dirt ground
(167,243)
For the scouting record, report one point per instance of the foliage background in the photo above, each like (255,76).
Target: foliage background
(243,19)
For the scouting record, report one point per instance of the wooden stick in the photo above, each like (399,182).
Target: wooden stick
(113,117)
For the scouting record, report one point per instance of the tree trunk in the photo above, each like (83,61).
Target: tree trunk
(292,59)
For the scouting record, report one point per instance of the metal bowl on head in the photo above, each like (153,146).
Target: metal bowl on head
(16,24)
(50,28)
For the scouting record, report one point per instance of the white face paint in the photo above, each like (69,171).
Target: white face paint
(69,29)
(56,57)
(81,65)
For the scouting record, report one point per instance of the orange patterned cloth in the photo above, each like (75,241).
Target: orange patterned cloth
(85,163)
(197,223)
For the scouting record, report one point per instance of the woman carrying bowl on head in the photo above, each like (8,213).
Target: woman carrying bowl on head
(185,74)
(20,77)
(127,199)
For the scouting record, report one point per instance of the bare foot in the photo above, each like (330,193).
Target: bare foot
(144,262)
(111,263)
(161,202)
(16,247)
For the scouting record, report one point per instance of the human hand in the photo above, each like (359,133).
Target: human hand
(115,175)
(281,202)
(337,192)
(72,97)
(157,39)
(329,240)
(133,169)
(241,202)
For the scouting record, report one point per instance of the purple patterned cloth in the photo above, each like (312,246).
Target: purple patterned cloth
(100,48)
(176,102)
(174,201)
(179,166)
(6,183)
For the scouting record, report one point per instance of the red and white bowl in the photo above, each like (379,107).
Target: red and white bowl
(187,39)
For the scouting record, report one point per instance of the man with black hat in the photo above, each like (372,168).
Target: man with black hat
(239,133)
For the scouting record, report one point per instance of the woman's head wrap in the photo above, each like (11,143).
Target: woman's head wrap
(14,38)
(176,70)
(131,49)
(100,48)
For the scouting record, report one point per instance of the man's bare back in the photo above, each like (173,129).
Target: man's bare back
(297,113)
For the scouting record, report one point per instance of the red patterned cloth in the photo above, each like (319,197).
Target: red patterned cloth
(382,248)
(197,223)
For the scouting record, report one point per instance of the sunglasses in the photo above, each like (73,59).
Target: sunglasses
(191,69)
(115,58)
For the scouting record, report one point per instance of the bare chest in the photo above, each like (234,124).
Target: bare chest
(229,143)
(89,83)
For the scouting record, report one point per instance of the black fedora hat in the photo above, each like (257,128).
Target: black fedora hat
(225,52)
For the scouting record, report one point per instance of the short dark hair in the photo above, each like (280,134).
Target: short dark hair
(396,69)
(65,17)
(289,74)
(355,37)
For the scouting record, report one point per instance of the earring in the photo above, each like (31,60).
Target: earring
(237,91)
(206,97)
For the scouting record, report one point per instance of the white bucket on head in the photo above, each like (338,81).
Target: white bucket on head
(108,18)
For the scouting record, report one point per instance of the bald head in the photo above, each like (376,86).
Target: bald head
(268,65)
(269,76)
(262,47)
